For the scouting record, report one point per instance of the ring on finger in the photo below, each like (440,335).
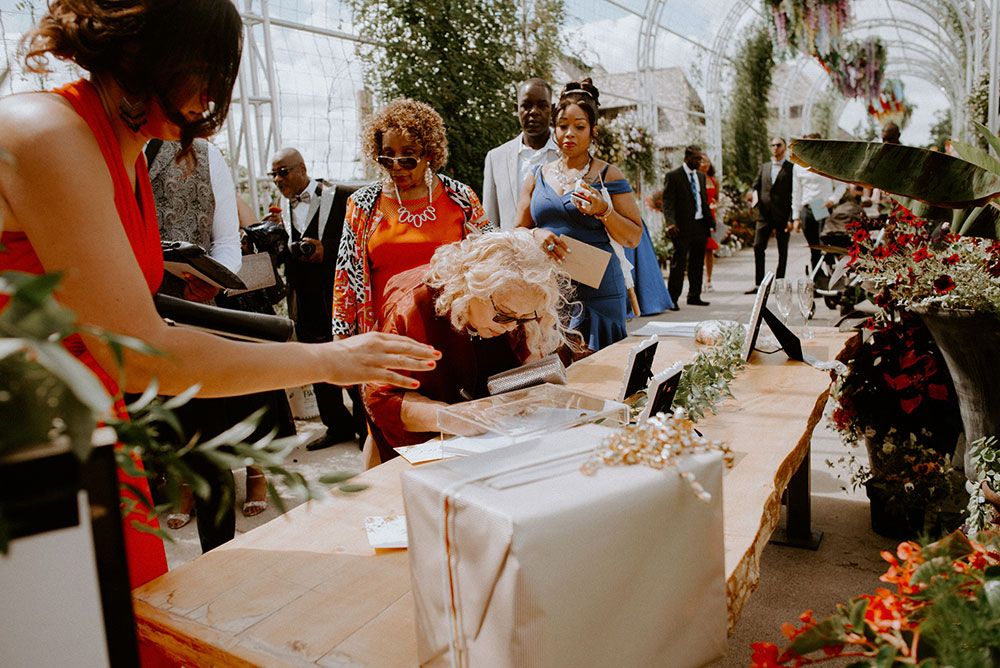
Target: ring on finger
(550,247)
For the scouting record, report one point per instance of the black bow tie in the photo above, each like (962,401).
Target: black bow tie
(303,196)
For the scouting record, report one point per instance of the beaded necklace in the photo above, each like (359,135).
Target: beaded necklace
(566,179)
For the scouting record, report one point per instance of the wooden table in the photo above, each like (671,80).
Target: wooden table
(306,589)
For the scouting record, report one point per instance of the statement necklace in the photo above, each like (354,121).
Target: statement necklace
(566,179)
(416,219)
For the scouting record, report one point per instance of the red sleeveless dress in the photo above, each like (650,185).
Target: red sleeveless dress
(146,558)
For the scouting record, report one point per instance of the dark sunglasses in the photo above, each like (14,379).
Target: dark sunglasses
(282,171)
(504,319)
(778,144)
(406,162)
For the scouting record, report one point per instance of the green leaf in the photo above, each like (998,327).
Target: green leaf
(828,632)
(992,590)
(353,489)
(886,657)
(80,380)
(856,616)
(175,402)
(334,478)
(976,156)
(990,138)
(924,175)
(35,289)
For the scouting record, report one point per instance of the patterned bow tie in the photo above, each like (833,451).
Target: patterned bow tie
(303,196)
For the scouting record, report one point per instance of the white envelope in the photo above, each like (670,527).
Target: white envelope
(518,559)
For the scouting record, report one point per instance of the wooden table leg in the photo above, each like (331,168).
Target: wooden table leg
(797,532)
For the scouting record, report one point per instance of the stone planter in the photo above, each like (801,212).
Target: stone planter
(970,343)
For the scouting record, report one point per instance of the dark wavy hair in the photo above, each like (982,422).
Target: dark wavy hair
(153,49)
(582,93)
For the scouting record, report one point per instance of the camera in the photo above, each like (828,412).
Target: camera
(302,249)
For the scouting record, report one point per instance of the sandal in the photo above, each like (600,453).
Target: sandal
(185,512)
(256,501)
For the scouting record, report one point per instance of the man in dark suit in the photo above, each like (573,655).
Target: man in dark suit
(688,221)
(314,223)
(773,189)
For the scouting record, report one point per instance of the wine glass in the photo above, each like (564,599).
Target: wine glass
(804,292)
(783,298)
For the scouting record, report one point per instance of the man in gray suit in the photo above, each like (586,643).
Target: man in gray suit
(508,165)
(773,187)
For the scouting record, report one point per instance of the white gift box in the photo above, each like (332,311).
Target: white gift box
(518,559)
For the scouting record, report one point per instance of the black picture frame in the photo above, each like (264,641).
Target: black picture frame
(639,368)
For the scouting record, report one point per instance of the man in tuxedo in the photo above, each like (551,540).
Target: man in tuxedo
(688,221)
(773,189)
(508,165)
(314,224)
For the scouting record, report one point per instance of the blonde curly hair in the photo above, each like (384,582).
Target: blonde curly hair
(418,121)
(484,264)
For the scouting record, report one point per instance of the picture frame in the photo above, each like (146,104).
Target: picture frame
(639,369)
(756,314)
(661,391)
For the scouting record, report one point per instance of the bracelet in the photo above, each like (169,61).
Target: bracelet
(607,213)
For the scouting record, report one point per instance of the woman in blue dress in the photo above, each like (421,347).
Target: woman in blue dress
(565,198)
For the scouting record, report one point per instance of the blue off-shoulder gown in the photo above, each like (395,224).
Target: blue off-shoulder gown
(602,318)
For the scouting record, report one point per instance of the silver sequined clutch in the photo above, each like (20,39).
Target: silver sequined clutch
(546,370)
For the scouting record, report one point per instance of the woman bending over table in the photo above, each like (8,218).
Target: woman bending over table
(489,303)
(76,199)
(547,203)
(399,221)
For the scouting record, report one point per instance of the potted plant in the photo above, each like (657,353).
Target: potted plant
(897,398)
(943,613)
(952,280)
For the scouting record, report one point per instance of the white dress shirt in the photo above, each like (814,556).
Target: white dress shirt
(300,212)
(697,186)
(807,187)
(225,223)
(528,158)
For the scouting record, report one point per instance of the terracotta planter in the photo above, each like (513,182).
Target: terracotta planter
(970,344)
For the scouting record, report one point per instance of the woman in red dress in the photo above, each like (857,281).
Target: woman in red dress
(76,199)
(712,191)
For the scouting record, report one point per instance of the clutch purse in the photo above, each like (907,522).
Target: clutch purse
(546,370)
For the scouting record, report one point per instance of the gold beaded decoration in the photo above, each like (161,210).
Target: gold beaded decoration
(658,443)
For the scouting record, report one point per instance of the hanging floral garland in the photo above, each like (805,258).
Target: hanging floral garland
(811,26)
(891,105)
(857,68)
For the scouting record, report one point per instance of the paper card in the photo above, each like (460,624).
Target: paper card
(586,263)
(422,452)
(386,533)
(256,272)
(179,268)
(819,209)
(659,328)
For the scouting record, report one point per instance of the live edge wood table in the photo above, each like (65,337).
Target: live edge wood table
(306,589)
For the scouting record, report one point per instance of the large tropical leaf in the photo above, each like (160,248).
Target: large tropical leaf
(918,173)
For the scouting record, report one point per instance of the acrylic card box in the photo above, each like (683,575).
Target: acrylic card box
(505,419)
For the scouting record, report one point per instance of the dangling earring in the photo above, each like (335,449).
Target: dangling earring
(429,178)
(132,114)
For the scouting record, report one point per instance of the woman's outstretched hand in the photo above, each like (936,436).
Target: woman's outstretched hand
(374,357)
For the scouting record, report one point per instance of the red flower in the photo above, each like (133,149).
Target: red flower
(944,283)
(921,254)
(951,259)
(910,405)
(860,235)
(765,655)
(882,252)
(936,391)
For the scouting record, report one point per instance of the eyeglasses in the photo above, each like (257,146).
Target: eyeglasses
(282,171)
(504,319)
(406,162)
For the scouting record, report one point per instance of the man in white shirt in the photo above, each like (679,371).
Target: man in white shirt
(508,165)
(813,193)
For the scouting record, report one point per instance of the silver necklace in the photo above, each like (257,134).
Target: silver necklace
(565,179)
(416,219)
